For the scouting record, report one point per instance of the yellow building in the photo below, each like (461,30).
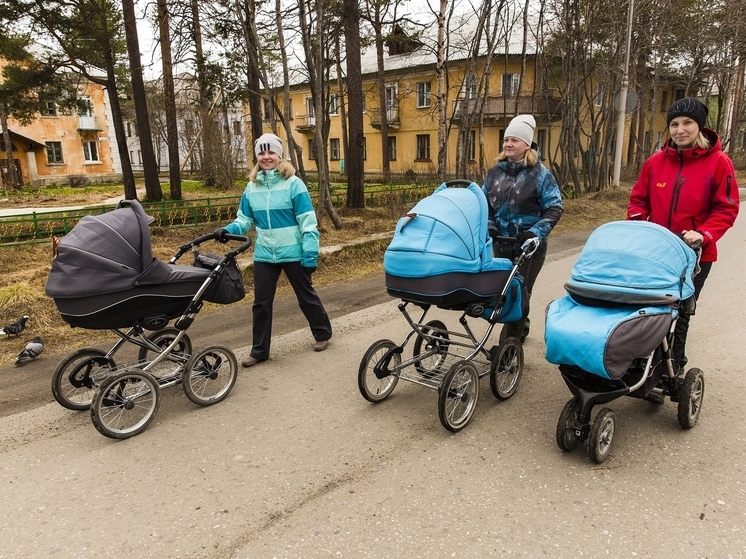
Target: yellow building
(72,149)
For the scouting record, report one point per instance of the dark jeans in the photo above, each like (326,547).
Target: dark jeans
(265,287)
(530,271)
(682,324)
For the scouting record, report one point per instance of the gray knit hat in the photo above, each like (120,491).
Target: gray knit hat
(691,107)
(268,142)
(522,127)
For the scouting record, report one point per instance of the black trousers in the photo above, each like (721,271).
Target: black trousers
(682,324)
(265,287)
(530,271)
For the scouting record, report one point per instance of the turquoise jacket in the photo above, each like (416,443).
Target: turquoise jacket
(281,210)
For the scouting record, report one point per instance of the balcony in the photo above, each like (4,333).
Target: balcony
(305,123)
(497,109)
(392,118)
(88,124)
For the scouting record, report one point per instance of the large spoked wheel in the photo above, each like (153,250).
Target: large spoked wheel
(457,396)
(75,379)
(125,404)
(601,435)
(436,348)
(506,369)
(372,388)
(566,438)
(210,375)
(175,361)
(692,394)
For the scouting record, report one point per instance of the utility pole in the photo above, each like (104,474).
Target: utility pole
(623,100)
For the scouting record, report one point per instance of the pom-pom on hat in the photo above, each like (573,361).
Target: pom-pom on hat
(268,142)
(522,127)
(691,107)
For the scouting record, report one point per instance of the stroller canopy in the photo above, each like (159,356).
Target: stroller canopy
(443,233)
(106,254)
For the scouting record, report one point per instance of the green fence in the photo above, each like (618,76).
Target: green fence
(41,226)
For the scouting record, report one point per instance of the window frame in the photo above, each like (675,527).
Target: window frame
(54,149)
(88,152)
(424,95)
(422,147)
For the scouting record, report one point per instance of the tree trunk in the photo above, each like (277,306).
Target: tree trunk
(354,164)
(13,182)
(169,99)
(152,184)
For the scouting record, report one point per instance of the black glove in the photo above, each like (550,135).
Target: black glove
(525,236)
(492,231)
(309,270)
(221,235)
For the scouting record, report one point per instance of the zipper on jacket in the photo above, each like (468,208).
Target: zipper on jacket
(678,183)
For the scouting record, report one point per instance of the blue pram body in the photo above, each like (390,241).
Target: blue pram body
(612,334)
(441,256)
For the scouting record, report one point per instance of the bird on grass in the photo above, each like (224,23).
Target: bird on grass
(32,350)
(14,328)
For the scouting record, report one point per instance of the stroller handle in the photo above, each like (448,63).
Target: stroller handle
(243,239)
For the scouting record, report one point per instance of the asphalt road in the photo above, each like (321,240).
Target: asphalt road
(295,463)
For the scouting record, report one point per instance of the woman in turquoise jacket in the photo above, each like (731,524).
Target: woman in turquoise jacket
(277,204)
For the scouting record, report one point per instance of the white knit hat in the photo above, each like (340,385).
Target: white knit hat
(522,127)
(268,142)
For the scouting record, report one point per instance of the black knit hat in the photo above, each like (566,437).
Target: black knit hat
(691,107)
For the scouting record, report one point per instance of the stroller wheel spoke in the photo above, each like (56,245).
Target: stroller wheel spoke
(506,369)
(210,375)
(458,395)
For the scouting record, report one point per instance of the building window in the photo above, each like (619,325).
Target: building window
(129,129)
(139,157)
(423,95)
(334,105)
(85,107)
(310,109)
(510,85)
(392,113)
(678,94)
(470,86)
(664,101)
(365,149)
(236,127)
(364,109)
(311,150)
(392,148)
(472,148)
(334,152)
(541,140)
(132,156)
(54,152)
(267,105)
(423,147)
(90,152)
(48,108)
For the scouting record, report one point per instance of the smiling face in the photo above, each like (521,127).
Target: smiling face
(683,131)
(267,160)
(515,149)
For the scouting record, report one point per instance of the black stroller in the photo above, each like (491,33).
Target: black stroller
(441,256)
(612,335)
(104,276)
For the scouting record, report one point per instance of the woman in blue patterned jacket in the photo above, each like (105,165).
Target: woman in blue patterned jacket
(277,203)
(524,202)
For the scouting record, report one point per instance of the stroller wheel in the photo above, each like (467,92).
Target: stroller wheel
(506,369)
(75,379)
(457,396)
(566,438)
(372,388)
(601,435)
(435,350)
(692,394)
(125,404)
(210,375)
(176,358)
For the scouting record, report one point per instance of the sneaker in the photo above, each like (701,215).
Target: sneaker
(320,345)
(250,361)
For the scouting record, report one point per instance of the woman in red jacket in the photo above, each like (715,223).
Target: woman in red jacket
(689,186)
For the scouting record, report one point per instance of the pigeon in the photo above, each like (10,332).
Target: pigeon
(32,350)
(14,328)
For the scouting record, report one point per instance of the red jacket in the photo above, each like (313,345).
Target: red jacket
(688,189)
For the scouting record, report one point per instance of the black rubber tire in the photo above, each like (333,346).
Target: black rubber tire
(458,395)
(691,397)
(601,436)
(371,387)
(76,378)
(210,375)
(566,438)
(506,369)
(429,366)
(125,404)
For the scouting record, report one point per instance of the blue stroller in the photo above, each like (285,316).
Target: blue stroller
(612,335)
(441,256)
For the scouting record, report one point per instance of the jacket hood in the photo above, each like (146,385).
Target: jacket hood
(711,135)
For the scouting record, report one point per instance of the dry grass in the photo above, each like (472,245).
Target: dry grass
(26,267)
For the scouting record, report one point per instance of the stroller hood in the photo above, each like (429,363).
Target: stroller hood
(106,254)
